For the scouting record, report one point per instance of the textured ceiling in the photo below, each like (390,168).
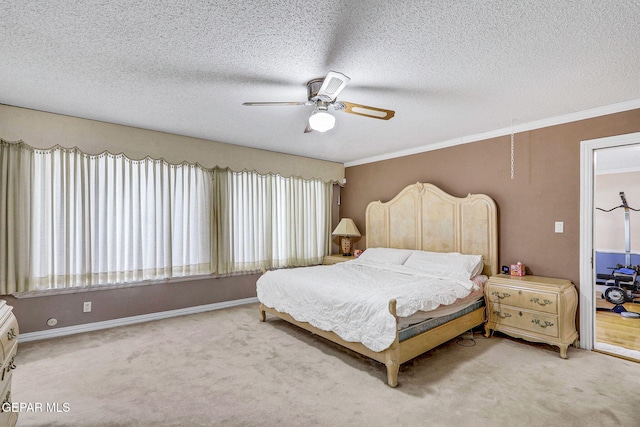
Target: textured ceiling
(448,69)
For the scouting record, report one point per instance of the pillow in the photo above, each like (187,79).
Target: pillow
(480,280)
(386,255)
(450,264)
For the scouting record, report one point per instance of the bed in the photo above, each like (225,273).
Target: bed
(455,241)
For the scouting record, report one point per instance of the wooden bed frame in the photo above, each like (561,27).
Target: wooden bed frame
(426,218)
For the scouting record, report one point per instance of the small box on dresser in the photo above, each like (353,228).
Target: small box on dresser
(9,343)
(534,308)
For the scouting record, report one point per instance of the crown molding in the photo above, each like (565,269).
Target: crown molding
(618,171)
(538,124)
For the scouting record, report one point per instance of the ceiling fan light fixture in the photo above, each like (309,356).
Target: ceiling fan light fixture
(322,94)
(321,121)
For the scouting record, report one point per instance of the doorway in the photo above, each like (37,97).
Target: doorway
(603,168)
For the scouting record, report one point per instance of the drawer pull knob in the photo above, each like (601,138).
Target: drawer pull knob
(541,323)
(501,314)
(11,334)
(543,303)
(503,296)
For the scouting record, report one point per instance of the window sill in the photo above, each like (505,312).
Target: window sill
(78,289)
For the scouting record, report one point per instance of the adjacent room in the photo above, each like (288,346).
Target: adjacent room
(319,213)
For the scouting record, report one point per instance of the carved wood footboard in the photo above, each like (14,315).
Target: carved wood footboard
(400,351)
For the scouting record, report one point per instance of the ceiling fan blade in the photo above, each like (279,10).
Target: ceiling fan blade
(365,110)
(332,86)
(268,104)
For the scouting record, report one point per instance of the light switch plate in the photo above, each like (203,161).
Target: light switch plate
(559,227)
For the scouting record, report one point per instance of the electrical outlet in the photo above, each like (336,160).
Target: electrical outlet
(86,308)
(52,321)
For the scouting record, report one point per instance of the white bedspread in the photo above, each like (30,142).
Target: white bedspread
(352,298)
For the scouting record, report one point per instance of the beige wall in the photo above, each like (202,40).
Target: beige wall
(546,187)
(609,235)
(44,130)
(117,303)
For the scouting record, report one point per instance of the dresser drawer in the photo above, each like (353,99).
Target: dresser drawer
(544,324)
(9,347)
(7,418)
(8,366)
(8,336)
(5,396)
(546,302)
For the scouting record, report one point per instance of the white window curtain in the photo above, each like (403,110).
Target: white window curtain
(82,220)
(269,221)
(70,219)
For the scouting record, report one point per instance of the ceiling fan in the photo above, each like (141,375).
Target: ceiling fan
(322,94)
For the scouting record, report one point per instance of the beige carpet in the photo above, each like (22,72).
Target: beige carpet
(225,368)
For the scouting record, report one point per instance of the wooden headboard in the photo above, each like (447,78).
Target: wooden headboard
(426,218)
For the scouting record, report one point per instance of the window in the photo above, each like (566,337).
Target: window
(75,219)
(269,221)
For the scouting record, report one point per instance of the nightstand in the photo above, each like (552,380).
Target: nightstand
(534,308)
(336,258)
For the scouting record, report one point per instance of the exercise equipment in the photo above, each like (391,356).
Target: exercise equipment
(622,282)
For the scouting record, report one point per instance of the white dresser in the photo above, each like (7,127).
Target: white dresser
(9,347)
(540,309)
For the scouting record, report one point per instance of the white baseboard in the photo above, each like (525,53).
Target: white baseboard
(95,326)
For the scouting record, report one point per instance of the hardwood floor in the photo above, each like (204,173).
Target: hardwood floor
(611,328)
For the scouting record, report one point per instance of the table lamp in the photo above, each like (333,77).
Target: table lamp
(346,229)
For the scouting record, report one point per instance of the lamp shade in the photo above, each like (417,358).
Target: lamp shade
(346,227)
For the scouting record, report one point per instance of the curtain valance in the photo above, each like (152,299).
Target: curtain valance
(77,219)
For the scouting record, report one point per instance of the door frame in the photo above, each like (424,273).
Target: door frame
(587,253)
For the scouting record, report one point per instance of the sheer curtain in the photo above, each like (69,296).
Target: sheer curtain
(269,221)
(101,219)
(71,219)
